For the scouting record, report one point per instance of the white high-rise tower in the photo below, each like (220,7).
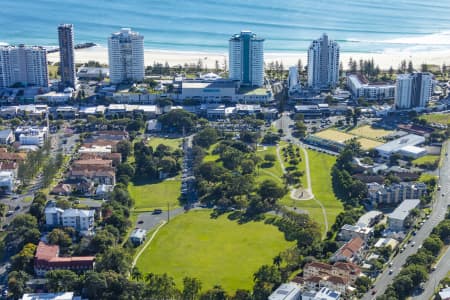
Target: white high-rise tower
(413,90)
(126,56)
(25,65)
(246,57)
(323,63)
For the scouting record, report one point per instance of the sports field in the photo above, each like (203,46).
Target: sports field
(368,132)
(334,135)
(441,118)
(216,251)
(367,144)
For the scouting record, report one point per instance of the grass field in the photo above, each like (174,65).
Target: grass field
(275,172)
(148,196)
(334,135)
(368,132)
(426,159)
(443,119)
(173,143)
(216,251)
(320,165)
(367,144)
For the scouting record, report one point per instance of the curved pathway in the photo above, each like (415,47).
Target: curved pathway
(147,244)
(309,193)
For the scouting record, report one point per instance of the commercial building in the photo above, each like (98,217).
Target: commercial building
(47,259)
(386,150)
(126,56)
(395,193)
(95,73)
(53,98)
(396,219)
(286,291)
(67,56)
(246,59)
(316,111)
(51,296)
(24,65)
(360,87)
(323,63)
(413,90)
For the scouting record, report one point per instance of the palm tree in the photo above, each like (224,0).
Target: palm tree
(136,274)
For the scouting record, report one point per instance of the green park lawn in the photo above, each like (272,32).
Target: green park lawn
(216,251)
(274,172)
(172,143)
(320,165)
(425,159)
(148,196)
(442,118)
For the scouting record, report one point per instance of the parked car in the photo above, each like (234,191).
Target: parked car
(157,211)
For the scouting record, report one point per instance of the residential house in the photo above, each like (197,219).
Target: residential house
(350,231)
(115,157)
(62,189)
(396,219)
(286,291)
(47,258)
(323,294)
(352,251)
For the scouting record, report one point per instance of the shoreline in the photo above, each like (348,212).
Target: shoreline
(385,60)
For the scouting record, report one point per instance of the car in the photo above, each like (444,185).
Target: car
(17,207)
(413,244)
(140,222)
(157,211)
(9,213)
(374,292)
(390,264)
(391,271)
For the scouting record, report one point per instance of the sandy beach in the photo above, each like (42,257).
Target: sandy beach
(384,60)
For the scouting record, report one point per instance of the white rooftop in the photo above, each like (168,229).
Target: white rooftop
(286,291)
(51,296)
(71,212)
(396,145)
(402,211)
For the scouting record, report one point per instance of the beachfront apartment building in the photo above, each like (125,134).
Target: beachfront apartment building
(293,80)
(323,63)
(67,56)
(24,65)
(126,56)
(246,57)
(359,86)
(413,90)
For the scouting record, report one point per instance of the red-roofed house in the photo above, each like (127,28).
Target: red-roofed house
(47,259)
(351,251)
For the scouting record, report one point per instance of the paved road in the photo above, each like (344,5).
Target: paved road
(438,213)
(148,220)
(442,268)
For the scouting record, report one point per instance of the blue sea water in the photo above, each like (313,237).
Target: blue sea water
(365,26)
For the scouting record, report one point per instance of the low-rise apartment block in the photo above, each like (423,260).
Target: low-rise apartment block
(47,258)
(395,193)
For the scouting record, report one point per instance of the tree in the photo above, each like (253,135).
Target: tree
(178,120)
(270,190)
(22,261)
(61,281)
(216,293)
(102,241)
(191,288)
(160,287)
(17,283)
(363,283)
(433,244)
(114,259)
(410,67)
(136,274)
(60,238)
(242,295)
(206,137)
(124,148)
(22,230)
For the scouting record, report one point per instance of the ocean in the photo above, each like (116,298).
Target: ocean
(360,26)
